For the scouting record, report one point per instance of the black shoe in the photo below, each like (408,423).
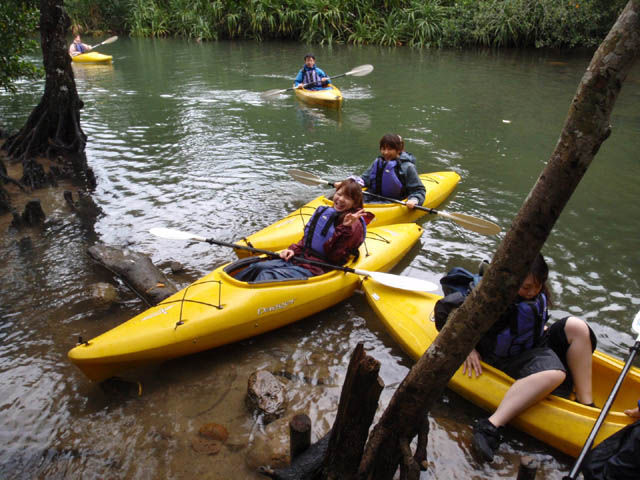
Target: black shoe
(486,439)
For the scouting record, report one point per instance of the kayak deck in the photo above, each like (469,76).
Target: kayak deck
(329,97)
(92,57)
(283,233)
(562,423)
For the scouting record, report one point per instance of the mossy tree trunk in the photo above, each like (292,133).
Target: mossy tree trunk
(585,129)
(53,128)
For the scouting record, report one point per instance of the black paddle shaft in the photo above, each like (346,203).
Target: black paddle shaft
(274,254)
(393,200)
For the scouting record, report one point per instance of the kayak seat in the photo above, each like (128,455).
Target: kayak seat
(234,268)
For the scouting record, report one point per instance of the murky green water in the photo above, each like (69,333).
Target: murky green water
(180,137)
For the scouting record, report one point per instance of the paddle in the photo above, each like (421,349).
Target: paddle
(612,396)
(360,71)
(388,279)
(467,221)
(106,42)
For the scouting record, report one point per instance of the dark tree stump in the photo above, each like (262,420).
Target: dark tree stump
(32,216)
(299,435)
(358,404)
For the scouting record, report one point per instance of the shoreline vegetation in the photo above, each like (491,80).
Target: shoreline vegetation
(414,23)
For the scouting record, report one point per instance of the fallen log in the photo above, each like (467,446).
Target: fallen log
(136,270)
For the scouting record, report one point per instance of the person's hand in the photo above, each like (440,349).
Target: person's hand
(287,254)
(411,203)
(336,185)
(633,412)
(472,364)
(324,79)
(351,218)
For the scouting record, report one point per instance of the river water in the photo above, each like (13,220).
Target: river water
(179,136)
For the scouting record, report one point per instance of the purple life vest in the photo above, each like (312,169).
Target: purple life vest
(310,76)
(385,180)
(525,329)
(321,228)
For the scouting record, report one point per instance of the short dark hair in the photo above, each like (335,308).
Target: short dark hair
(309,55)
(392,140)
(540,271)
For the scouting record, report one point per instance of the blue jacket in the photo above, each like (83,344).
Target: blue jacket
(306,75)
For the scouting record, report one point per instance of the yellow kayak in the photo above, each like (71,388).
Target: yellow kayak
(563,424)
(218,309)
(283,233)
(92,57)
(329,97)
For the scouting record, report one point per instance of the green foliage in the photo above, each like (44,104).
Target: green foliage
(417,23)
(98,17)
(18,20)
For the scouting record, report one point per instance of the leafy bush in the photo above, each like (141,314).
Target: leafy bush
(18,20)
(417,23)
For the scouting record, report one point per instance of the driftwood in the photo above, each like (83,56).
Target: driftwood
(136,270)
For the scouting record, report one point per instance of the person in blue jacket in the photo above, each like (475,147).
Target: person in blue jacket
(542,360)
(310,75)
(393,174)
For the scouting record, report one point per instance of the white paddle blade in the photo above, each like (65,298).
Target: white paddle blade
(636,324)
(272,93)
(361,71)
(400,282)
(110,40)
(175,234)
(306,177)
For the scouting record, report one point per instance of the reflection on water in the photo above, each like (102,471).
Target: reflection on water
(312,118)
(179,136)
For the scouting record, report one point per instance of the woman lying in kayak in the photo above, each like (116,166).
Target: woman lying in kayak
(540,359)
(332,235)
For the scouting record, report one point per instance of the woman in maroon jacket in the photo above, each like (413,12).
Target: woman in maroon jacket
(332,235)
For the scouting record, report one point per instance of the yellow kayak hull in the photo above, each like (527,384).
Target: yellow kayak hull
(330,97)
(283,233)
(564,424)
(217,309)
(92,57)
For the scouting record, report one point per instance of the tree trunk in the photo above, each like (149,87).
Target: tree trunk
(586,127)
(53,128)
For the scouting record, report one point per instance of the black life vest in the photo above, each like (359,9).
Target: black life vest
(526,326)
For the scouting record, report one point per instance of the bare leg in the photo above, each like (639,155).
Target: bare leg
(579,358)
(524,393)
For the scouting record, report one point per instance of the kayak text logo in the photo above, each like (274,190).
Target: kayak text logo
(278,306)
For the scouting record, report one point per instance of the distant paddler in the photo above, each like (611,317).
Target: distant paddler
(77,47)
(311,76)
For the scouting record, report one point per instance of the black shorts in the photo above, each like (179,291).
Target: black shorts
(551,355)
